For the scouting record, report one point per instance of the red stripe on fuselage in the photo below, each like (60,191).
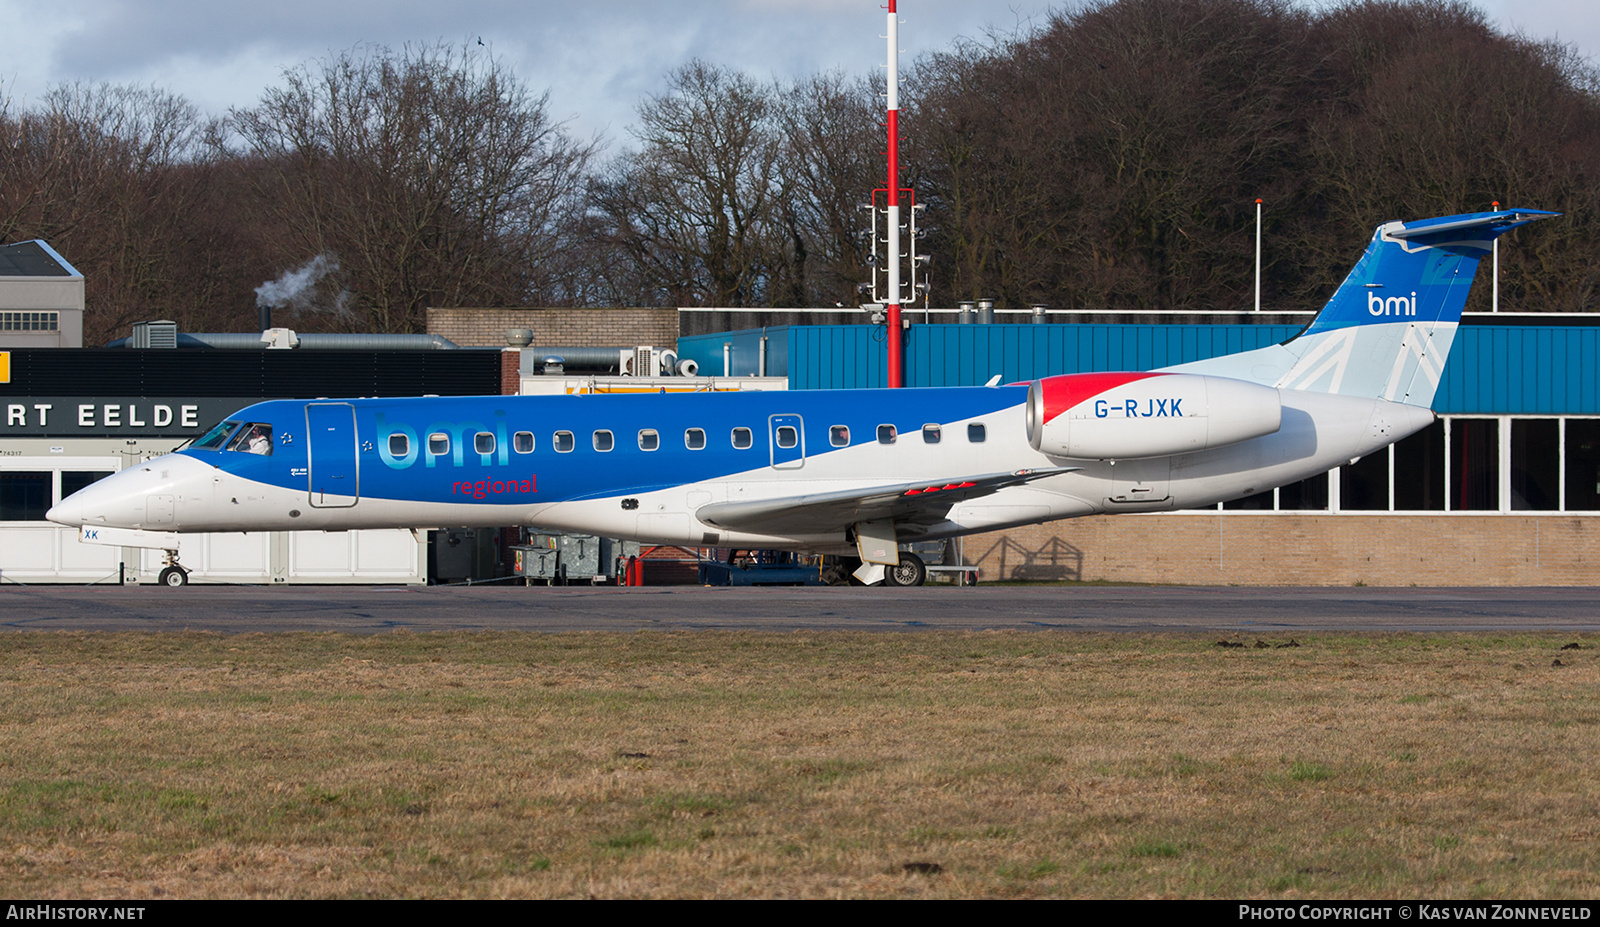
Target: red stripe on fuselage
(1063,392)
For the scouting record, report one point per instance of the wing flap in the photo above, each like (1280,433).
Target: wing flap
(925,501)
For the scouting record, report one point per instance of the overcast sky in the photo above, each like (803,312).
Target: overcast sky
(596,59)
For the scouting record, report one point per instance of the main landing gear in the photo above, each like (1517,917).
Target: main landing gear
(910,571)
(173,574)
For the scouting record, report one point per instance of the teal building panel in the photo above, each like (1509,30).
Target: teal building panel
(1492,370)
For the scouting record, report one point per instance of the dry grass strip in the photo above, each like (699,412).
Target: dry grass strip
(798,765)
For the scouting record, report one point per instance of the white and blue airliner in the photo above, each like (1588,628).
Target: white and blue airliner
(855,473)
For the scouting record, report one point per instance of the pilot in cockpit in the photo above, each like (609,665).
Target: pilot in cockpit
(255,438)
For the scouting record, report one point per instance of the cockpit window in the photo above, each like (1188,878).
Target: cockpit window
(213,439)
(253,438)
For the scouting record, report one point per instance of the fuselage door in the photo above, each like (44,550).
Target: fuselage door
(334,474)
(787,439)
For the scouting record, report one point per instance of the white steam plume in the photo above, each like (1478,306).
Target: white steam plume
(296,290)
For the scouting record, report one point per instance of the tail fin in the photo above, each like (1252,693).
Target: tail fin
(1388,328)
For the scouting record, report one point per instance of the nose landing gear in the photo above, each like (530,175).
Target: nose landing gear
(173,574)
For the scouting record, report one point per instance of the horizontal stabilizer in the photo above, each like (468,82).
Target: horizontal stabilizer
(1387,330)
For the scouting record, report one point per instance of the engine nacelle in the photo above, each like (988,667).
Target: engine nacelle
(1124,416)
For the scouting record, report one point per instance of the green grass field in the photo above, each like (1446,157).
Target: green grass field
(798,765)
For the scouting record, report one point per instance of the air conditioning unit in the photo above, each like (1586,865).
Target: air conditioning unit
(642,361)
(159,334)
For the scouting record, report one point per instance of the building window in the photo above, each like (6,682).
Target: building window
(25,495)
(1535,465)
(1364,485)
(1582,459)
(1309,495)
(1259,502)
(1419,471)
(1474,465)
(74,480)
(1549,465)
(12,320)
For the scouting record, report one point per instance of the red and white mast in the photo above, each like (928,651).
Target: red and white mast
(895,339)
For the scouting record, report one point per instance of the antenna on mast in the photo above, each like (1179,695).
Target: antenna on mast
(896,336)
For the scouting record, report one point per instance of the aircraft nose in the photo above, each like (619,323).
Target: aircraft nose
(119,500)
(68,511)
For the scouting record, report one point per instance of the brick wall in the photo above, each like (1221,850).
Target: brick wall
(510,374)
(1315,550)
(558,327)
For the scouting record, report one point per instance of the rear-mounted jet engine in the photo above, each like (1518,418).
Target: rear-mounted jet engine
(1125,416)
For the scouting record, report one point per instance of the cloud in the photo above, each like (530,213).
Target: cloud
(597,61)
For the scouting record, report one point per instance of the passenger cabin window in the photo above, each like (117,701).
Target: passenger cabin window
(839,435)
(741,438)
(694,439)
(438,443)
(254,438)
(522,442)
(788,436)
(213,439)
(564,442)
(399,445)
(930,434)
(976,433)
(604,440)
(649,440)
(886,434)
(483,442)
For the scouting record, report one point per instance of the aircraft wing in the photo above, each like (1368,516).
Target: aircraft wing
(923,502)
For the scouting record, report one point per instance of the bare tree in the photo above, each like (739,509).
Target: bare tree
(1432,111)
(692,207)
(1108,159)
(432,174)
(110,175)
(833,154)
